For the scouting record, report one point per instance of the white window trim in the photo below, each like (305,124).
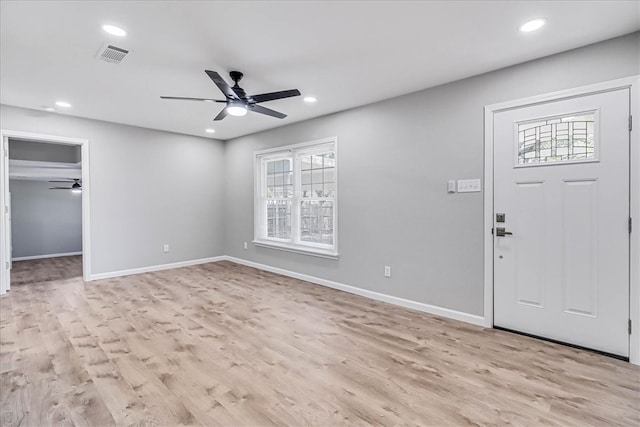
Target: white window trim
(314,249)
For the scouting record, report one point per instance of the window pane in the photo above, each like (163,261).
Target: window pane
(317,175)
(279,219)
(316,221)
(306,190)
(305,176)
(330,159)
(279,179)
(329,175)
(318,190)
(559,139)
(330,189)
(305,163)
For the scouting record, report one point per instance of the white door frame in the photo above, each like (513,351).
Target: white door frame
(633,83)
(4,188)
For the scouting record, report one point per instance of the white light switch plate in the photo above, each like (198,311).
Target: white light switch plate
(469,185)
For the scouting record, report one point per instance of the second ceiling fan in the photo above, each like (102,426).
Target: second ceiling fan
(238,102)
(76,186)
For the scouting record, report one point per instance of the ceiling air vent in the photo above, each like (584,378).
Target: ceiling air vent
(111,53)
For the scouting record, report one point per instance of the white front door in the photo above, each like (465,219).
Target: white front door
(561,179)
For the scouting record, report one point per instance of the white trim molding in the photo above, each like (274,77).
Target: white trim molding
(152,268)
(414,305)
(28,258)
(633,84)
(292,248)
(5,273)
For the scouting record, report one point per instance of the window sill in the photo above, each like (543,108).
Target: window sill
(321,253)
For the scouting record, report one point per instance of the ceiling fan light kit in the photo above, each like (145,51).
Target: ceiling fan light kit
(237,100)
(237,109)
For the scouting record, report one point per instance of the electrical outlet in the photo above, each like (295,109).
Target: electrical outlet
(166,247)
(245,246)
(387,271)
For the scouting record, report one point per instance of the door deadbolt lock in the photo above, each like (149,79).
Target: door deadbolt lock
(500,217)
(501,231)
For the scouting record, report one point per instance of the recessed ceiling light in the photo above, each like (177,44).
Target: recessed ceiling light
(310,99)
(534,24)
(210,130)
(49,109)
(63,104)
(114,31)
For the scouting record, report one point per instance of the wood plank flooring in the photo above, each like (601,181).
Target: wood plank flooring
(45,270)
(224,344)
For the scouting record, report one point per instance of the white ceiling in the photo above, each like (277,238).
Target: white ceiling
(346,53)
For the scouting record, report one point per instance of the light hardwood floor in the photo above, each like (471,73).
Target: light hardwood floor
(224,344)
(45,270)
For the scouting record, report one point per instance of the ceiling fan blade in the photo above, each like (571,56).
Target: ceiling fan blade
(180,98)
(222,85)
(262,110)
(263,97)
(221,115)
(65,181)
(60,188)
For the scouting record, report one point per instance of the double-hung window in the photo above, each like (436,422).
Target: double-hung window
(296,197)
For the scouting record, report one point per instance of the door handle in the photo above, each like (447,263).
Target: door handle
(501,231)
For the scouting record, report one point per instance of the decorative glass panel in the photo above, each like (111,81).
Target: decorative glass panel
(279,219)
(559,139)
(316,218)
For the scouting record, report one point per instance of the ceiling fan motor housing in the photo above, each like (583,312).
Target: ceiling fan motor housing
(236,76)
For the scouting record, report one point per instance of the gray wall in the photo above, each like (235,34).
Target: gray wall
(20,149)
(395,158)
(44,222)
(147,188)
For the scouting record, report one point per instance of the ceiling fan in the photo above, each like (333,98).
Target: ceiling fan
(237,100)
(76,187)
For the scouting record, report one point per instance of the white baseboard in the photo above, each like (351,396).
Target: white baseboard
(149,269)
(427,308)
(27,258)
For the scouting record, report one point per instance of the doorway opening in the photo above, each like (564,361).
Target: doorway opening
(45,223)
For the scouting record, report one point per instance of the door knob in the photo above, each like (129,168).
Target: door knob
(501,231)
